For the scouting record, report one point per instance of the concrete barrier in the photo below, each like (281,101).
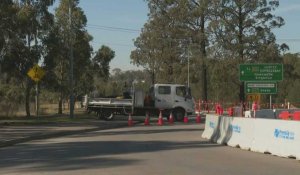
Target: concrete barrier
(278,137)
(224,130)
(241,133)
(211,131)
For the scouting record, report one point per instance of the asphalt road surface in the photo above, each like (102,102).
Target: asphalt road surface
(140,150)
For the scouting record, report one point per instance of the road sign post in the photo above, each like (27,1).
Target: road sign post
(36,73)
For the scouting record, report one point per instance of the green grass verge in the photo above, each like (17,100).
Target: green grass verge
(47,119)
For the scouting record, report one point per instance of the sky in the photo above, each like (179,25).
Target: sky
(116,23)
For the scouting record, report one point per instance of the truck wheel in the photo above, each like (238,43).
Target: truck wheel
(109,116)
(179,114)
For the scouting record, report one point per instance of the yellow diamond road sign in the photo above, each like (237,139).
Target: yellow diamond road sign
(36,73)
(253,97)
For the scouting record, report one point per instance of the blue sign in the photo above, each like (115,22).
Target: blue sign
(284,134)
(235,128)
(212,125)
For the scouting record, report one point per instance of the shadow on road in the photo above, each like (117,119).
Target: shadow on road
(74,155)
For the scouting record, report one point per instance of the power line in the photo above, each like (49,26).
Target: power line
(109,43)
(113,29)
(130,30)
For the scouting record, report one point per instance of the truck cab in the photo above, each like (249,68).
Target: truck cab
(173,98)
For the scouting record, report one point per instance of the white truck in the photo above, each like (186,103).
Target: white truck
(167,98)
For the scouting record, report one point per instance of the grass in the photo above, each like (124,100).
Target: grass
(80,115)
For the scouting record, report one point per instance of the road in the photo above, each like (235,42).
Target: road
(139,150)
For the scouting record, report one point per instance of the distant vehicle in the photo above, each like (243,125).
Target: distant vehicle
(167,98)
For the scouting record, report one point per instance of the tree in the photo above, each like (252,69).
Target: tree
(102,59)
(174,35)
(242,30)
(7,25)
(30,22)
(158,46)
(289,87)
(57,45)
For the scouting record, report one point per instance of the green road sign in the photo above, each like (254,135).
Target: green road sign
(261,72)
(261,87)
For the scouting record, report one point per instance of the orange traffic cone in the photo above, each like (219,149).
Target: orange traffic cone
(160,119)
(171,119)
(147,120)
(185,119)
(130,122)
(198,118)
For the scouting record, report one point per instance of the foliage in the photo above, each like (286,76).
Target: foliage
(102,59)
(214,36)
(11,99)
(121,81)
(289,87)
(31,35)
(207,39)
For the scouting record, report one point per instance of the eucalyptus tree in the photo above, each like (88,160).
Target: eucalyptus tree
(242,32)
(7,25)
(55,64)
(101,61)
(59,42)
(145,53)
(28,24)
(192,18)
(289,88)
(174,35)
(157,48)
(150,52)
(9,34)
(11,95)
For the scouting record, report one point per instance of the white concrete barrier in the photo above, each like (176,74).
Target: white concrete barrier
(211,127)
(248,114)
(278,137)
(241,132)
(224,130)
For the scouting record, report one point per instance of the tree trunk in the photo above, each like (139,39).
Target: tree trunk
(27,97)
(60,104)
(241,51)
(204,76)
(203,52)
(28,85)
(153,77)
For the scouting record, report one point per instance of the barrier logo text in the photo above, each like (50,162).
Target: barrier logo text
(284,134)
(235,128)
(212,125)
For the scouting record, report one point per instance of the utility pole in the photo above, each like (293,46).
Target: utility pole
(71,61)
(188,54)
(37,99)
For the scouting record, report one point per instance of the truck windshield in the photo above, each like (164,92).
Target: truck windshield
(183,91)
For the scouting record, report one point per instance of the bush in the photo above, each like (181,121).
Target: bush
(11,99)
